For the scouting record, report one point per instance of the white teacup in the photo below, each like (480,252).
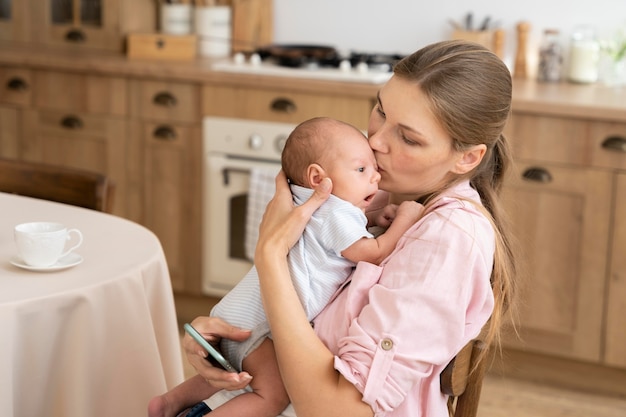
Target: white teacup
(42,244)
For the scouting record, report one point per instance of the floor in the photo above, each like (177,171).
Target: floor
(505,397)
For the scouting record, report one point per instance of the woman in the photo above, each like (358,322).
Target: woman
(380,345)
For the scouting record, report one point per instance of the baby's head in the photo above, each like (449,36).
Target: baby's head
(324,147)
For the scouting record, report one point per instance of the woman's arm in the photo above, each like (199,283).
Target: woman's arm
(306,365)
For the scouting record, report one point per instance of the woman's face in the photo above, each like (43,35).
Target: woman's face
(414,153)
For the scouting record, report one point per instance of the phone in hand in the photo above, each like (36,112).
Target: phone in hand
(207,346)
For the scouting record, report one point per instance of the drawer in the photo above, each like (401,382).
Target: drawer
(80,92)
(608,144)
(284,106)
(550,139)
(16,86)
(165,101)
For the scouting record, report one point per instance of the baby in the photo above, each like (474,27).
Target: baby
(334,241)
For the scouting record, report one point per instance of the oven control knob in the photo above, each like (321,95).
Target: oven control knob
(279,143)
(255,142)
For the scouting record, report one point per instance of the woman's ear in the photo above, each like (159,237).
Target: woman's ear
(470,158)
(315,174)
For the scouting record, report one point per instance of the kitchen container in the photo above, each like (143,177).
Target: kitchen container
(213,27)
(584,56)
(176,18)
(550,57)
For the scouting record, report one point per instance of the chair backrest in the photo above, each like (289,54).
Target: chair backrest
(61,184)
(462,379)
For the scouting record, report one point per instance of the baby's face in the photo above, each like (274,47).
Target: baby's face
(352,167)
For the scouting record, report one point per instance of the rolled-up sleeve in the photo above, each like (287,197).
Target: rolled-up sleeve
(405,319)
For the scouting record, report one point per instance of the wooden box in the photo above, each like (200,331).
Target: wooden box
(161,46)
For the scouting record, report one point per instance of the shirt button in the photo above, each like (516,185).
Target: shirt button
(386,344)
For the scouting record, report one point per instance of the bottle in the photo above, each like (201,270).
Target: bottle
(550,57)
(584,56)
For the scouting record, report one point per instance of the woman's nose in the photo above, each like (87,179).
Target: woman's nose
(375,141)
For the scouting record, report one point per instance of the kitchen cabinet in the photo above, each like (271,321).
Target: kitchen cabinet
(83,24)
(14,21)
(284,105)
(166,137)
(77,120)
(15,95)
(564,199)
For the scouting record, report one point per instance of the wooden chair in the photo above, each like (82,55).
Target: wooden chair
(64,185)
(462,379)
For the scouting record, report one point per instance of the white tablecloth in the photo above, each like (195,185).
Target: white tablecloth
(98,339)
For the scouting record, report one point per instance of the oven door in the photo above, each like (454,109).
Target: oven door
(225,204)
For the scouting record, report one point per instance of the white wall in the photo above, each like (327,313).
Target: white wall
(406,25)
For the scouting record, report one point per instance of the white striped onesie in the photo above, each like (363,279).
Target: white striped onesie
(317,270)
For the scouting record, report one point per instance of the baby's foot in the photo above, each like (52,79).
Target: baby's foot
(160,407)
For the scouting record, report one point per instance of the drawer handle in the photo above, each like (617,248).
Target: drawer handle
(76,36)
(17,84)
(72,122)
(165,133)
(164,99)
(283,105)
(538,175)
(615,143)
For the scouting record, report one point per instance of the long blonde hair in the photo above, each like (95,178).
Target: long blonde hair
(469,90)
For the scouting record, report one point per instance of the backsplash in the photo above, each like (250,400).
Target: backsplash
(405,25)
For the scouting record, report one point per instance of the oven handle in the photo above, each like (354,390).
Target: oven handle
(226,171)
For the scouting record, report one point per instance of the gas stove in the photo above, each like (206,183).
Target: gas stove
(312,62)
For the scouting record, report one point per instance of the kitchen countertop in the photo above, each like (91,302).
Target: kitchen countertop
(591,101)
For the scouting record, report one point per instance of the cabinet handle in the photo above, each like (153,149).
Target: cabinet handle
(76,36)
(72,122)
(615,143)
(165,133)
(538,175)
(283,105)
(164,99)
(17,84)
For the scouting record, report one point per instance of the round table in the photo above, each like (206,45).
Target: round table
(97,339)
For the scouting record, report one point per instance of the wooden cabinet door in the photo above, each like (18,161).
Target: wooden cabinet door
(15,23)
(9,132)
(91,24)
(616,304)
(73,139)
(172,195)
(560,216)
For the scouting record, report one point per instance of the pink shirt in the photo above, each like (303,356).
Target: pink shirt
(394,327)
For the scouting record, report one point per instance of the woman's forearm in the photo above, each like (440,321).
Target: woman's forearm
(306,365)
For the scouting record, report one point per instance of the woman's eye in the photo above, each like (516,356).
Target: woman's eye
(380,111)
(408,141)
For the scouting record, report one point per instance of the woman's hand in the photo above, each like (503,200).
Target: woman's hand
(283,224)
(213,329)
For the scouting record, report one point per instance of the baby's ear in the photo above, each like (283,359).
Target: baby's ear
(314,175)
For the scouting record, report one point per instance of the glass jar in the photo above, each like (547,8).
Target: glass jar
(550,57)
(584,56)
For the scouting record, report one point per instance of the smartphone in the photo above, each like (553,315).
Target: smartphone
(207,346)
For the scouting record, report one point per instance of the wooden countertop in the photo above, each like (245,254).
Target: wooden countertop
(595,101)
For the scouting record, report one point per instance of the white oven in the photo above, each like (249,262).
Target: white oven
(232,148)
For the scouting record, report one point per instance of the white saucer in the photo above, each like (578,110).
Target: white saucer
(68,261)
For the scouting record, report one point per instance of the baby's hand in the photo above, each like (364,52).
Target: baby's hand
(386,215)
(412,211)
